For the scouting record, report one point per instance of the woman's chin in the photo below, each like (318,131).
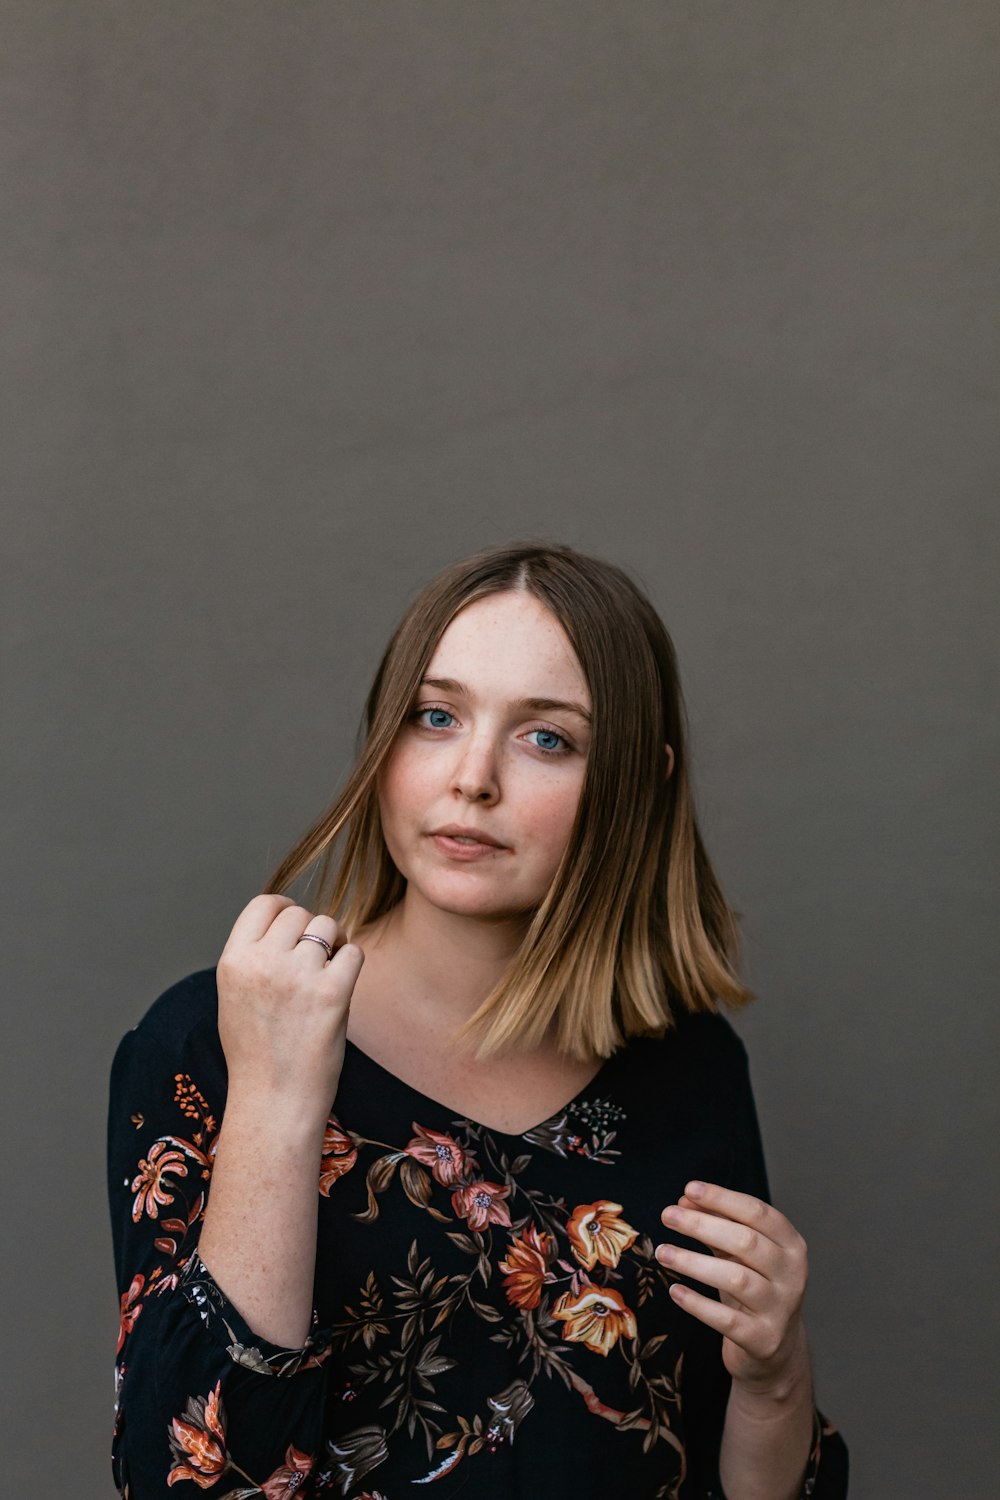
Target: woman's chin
(460,899)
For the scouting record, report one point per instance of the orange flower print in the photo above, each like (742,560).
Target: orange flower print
(131,1308)
(151,1184)
(596,1233)
(290,1478)
(339,1155)
(595,1316)
(198,1441)
(481,1203)
(448,1161)
(526,1265)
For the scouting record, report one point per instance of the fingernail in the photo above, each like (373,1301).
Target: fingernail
(695,1189)
(672,1214)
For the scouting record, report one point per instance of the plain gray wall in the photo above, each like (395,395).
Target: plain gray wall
(300,303)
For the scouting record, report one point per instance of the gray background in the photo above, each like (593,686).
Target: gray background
(300,303)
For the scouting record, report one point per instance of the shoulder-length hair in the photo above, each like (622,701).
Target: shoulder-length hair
(634,923)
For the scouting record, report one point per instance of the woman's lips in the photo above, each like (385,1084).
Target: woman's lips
(457,849)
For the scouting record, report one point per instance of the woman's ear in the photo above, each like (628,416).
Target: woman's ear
(670,761)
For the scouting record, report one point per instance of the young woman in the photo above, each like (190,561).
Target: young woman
(454,1177)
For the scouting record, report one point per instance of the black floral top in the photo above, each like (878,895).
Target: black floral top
(489,1318)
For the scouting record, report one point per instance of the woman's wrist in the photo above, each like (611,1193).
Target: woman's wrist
(284,1114)
(768,1433)
(785,1382)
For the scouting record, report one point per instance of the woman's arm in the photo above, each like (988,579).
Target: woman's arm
(219,1373)
(283,1012)
(200,1395)
(768,1436)
(758,1265)
(258,1239)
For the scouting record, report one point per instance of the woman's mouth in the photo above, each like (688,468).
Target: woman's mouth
(461,848)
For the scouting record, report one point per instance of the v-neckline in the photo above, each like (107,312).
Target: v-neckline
(598,1080)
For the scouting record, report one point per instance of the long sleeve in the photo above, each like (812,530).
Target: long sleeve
(826,1474)
(199,1397)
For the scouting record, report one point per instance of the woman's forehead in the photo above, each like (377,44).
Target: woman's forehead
(508,643)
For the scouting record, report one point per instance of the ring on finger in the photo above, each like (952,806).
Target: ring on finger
(314,937)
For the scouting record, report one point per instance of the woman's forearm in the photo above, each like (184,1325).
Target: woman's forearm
(767,1438)
(258,1240)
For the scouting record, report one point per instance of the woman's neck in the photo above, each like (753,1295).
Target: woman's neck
(440,965)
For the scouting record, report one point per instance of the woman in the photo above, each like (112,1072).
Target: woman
(463,1185)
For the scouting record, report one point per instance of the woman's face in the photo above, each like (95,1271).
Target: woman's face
(476,753)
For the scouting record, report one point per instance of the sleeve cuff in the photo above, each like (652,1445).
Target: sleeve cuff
(244,1347)
(815,1452)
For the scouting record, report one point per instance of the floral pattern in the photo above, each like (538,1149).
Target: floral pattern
(152,1185)
(198,1441)
(565,1290)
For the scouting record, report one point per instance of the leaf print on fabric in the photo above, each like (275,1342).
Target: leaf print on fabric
(198,1441)
(596,1316)
(509,1408)
(596,1233)
(526,1266)
(338,1156)
(367,1323)
(380,1175)
(584,1128)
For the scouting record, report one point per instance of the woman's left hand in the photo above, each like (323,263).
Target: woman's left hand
(759,1267)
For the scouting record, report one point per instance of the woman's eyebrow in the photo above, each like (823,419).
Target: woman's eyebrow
(536,705)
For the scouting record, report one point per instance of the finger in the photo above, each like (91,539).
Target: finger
(745,1208)
(744,1244)
(731,1322)
(315,954)
(736,1280)
(287,927)
(255,918)
(685,1202)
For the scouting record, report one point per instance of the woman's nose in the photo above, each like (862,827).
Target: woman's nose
(476,774)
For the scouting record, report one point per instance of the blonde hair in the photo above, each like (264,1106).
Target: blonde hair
(634,922)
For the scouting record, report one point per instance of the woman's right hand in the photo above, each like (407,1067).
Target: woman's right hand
(283,1006)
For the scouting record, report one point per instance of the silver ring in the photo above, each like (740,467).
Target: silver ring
(314,937)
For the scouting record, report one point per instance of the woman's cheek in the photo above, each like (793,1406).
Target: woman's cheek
(403,783)
(551,817)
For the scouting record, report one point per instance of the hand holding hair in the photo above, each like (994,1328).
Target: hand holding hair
(285,980)
(283,1009)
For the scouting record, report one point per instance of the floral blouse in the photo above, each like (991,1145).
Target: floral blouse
(489,1316)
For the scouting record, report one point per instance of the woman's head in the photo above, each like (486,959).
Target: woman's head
(620,903)
(495,744)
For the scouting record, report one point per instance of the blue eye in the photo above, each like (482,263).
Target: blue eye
(551,734)
(547,749)
(418,714)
